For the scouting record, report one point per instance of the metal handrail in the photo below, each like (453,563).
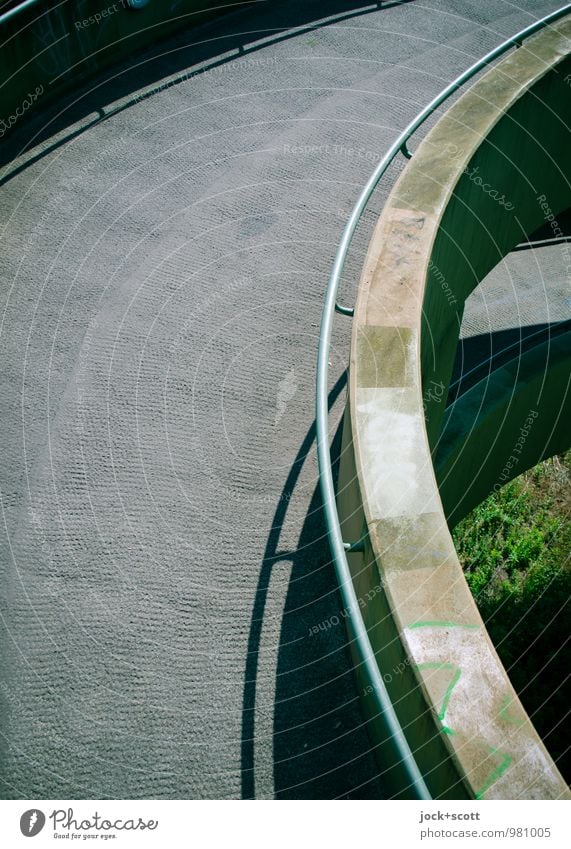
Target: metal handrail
(338,547)
(17,10)
(27,4)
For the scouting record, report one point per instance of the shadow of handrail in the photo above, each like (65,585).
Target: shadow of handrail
(271,556)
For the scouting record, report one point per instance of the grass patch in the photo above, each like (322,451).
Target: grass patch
(514,548)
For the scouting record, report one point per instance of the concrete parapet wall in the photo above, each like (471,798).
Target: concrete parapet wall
(47,50)
(473,189)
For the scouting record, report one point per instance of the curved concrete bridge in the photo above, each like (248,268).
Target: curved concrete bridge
(170,620)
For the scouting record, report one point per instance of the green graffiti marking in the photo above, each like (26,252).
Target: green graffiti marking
(495,773)
(504,713)
(507,760)
(437,623)
(448,693)
(455,678)
(498,771)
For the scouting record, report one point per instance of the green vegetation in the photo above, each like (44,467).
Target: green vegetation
(515,551)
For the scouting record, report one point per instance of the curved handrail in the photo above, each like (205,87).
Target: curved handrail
(17,10)
(27,4)
(338,547)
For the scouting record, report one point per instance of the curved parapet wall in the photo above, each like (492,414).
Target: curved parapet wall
(480,182)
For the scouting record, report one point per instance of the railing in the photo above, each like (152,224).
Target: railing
(339,547)
(27,4)
(17,10)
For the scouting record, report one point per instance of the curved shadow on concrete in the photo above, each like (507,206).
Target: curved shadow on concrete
(478,356)
(321,746)
(317,722)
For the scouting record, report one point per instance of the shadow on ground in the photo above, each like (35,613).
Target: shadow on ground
(478,356)
(321,747)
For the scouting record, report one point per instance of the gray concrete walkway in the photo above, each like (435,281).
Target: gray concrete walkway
(162,550)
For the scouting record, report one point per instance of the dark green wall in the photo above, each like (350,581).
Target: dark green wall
(45,51)
(504,425)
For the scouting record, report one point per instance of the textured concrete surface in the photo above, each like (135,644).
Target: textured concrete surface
(166,243)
